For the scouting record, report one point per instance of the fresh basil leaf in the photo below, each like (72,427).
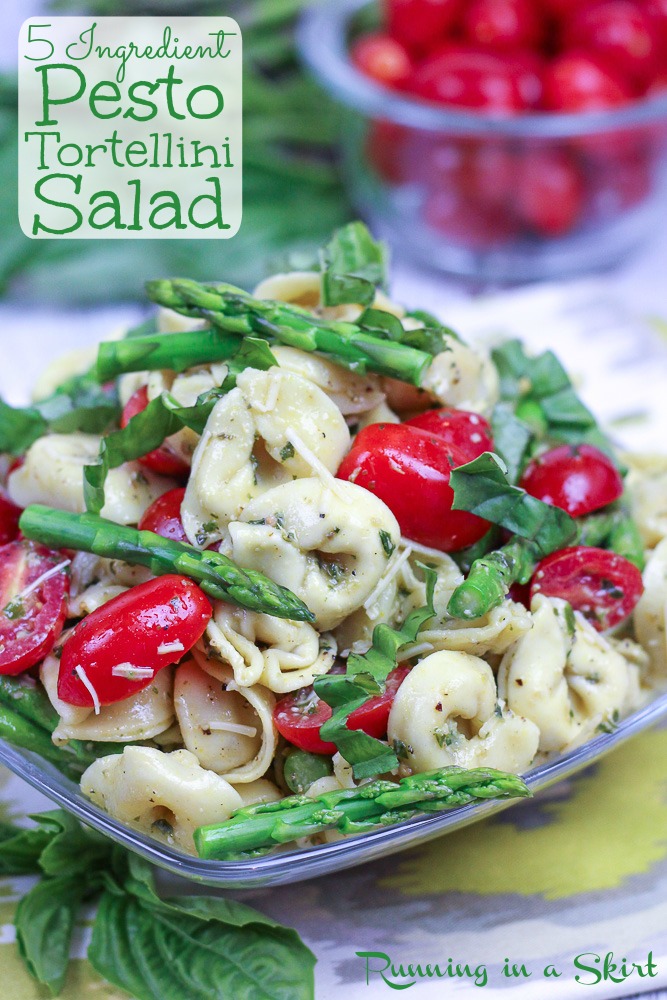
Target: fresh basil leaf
(364,678)
(163,417)
(74,849)
(80,404)
(481,487)
(353,264)
(159,953)
(44,920)
(20,850)
(433,337)
(382,324)
(511,437)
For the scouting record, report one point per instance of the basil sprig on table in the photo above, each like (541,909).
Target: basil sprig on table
(215,944)
(79,404)
(365,678)
(164,416)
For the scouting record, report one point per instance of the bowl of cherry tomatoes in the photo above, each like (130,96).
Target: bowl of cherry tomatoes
(506,140)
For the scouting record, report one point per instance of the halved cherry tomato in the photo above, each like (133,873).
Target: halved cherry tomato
(162,460)
(469,432)
(582,81)
(578,479)
(164,516)
(503,24)
(382,58)
(299,716)
(409,469)
(605,587)
(149,626)
(9,519)
(33,603)
(420,23)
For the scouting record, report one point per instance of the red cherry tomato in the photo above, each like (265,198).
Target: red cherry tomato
(503,24)
(162,460)
(33,604)
(490,174)
(549,191)
(621,32)
(582,81)
(419,24)
(299,716)
(617,182)
(164,516)
(383,59)
(470,77)
(466,222)
(469,433)
(577,479)
(409,469)
(149,626)
(9,519)
(603,586)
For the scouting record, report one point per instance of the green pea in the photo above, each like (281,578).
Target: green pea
(301,769)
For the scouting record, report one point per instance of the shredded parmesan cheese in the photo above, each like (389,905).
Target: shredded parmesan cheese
(417,649)
(85,680)
(36,584)
(171,647)
(232,727)
(423,550)
(271,398)
(131,672)
(199,454)
(320,470)
(394,565)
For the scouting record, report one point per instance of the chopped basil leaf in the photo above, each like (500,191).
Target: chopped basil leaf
(353,264)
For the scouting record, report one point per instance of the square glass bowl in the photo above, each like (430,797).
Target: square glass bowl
(287,866)
(475,195)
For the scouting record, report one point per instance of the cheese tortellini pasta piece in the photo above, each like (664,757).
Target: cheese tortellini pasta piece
(647,487)
(304,288)
(95,580)
(139,717)
(167,795)
(52,474)
(281,655)
(350,392)
(464,377)
(446,712)
(268,430)
(229,728)
(650,615)
(564,676)
(327,545)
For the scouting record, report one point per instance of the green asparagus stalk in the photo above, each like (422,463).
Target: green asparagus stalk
(176,351)
(352,810)
(232,311)
(491,576)
(217,575)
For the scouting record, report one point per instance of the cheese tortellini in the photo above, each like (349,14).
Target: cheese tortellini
(564,676)
(446,712)
(650,615)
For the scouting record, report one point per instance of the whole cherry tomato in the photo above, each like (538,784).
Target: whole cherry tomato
(409,470)
(164,516)
(469,77)
(470,433)
(582,81)
(33,602)
(9,519)
(163,460)
(299,716)
(382,58)
(145,629)
(622,33)
(503,24)
(578,479)
(616,182)
(603,586)
(549,191)
(466,222)
(419,24)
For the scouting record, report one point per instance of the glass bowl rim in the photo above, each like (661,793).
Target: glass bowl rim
(297,864)
(321,40)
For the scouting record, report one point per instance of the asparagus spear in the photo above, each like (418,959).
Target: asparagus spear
(492,575)
(232,311)
(257,828)
(217,575)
